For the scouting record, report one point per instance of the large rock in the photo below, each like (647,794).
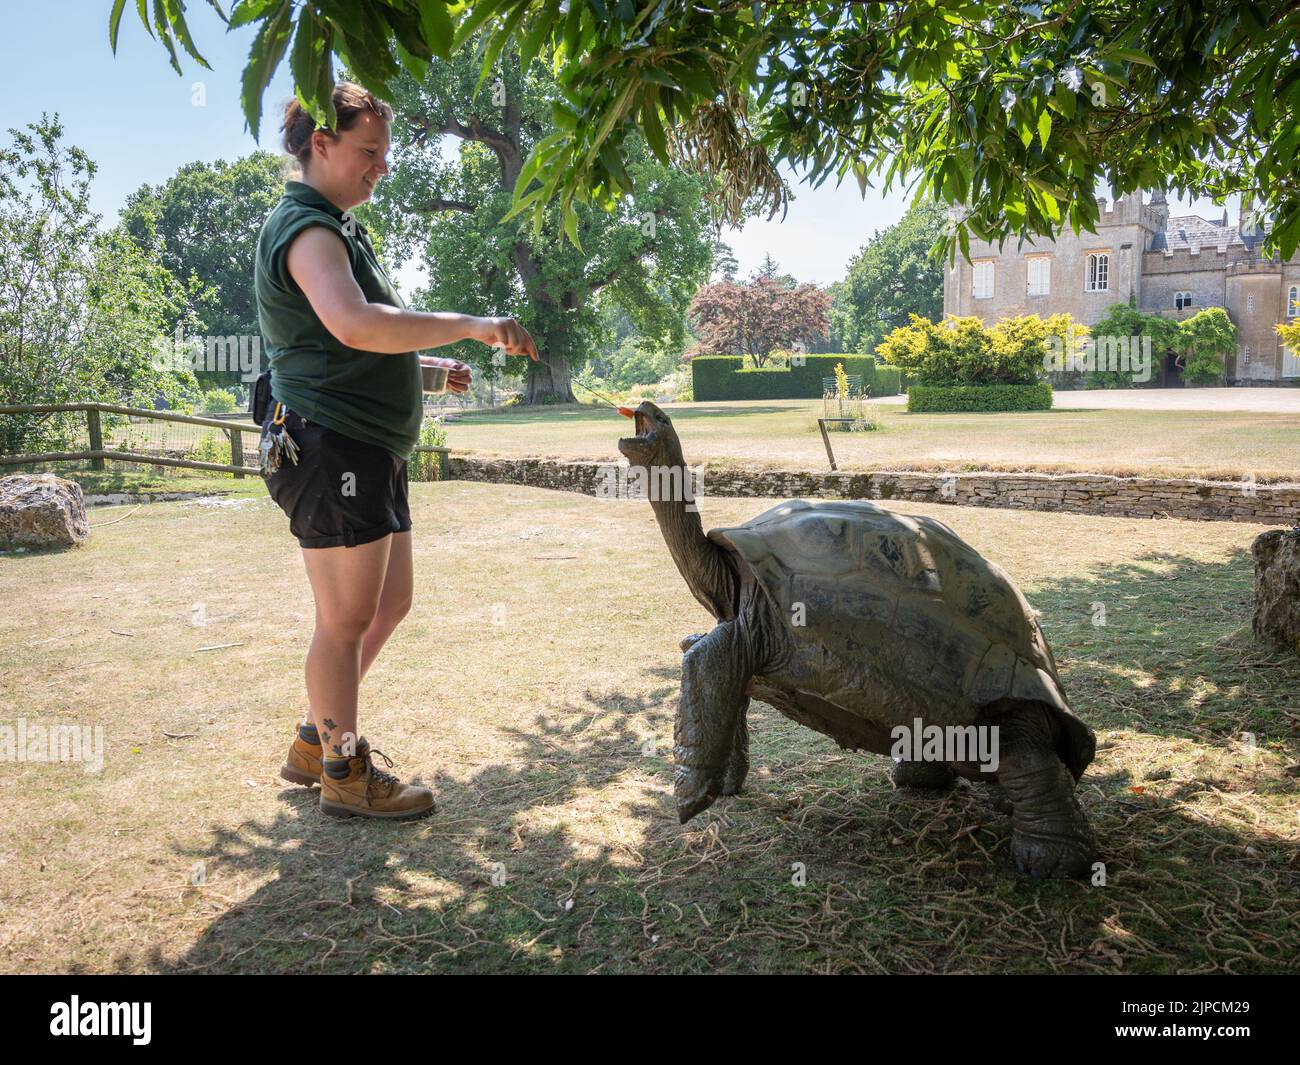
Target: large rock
(1277,586)
(41,510)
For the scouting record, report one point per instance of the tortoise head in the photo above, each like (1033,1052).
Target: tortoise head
(655,443)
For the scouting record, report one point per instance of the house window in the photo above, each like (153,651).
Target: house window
(1293,302)
(1040,276)
(1182,299)
(983,281)
(1250,304)
(1098,273)
(1246,353)
(1290,364)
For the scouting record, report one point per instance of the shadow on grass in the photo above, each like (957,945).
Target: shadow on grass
(820,865)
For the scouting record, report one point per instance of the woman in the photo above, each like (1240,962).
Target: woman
(346,387)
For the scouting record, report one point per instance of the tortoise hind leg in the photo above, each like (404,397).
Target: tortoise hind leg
(715,672)
(1051,836)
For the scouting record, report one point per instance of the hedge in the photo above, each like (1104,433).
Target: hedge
(942,398)
(717,377)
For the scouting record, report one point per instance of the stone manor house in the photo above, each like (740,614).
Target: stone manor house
(1170,266)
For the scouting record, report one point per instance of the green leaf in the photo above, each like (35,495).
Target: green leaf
(497,41)
(265,55)
(437,26)
(479,14)
(1127,54)
(164,32)
(658,77)
(653,128)
(571,225)
(176,12)
(563,115)
(543,24)
(1044,127)
(415,66)
(305,63)
(1064,99)
(247,11)
(114,21)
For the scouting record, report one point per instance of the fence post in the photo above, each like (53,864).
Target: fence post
(237,450)
(96,436)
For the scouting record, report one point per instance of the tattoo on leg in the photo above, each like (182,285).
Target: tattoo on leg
(329,723)
(325,737)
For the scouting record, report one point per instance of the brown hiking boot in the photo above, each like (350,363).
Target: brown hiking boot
(370,792)
(302,765)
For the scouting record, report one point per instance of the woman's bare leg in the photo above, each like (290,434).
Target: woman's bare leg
(347,583)
(394,600)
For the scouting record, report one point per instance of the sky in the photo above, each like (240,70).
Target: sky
(140,123)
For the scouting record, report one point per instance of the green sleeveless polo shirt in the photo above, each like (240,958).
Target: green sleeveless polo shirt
(368,396)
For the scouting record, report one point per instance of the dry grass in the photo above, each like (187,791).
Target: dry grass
(783,434)
(534,688)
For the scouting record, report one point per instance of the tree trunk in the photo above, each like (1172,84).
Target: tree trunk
(548,380)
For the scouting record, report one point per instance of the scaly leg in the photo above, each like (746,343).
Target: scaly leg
(1051,836)
(715,672)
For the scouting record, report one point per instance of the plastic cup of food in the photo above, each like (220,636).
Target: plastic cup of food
(434,378)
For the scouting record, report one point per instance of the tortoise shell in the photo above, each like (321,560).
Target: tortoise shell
(893,617)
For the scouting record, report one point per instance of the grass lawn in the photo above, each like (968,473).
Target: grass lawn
(146,480)
(534,687)
(783,433)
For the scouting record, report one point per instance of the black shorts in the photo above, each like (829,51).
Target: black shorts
(342,492)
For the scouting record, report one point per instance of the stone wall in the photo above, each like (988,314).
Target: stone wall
(1134,497)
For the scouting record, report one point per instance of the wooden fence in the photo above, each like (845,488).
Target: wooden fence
(96,453)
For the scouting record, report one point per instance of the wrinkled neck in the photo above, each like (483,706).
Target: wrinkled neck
(704,565)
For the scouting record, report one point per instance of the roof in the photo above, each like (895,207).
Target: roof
(1192,231)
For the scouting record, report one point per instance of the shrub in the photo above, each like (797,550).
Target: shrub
(864,416)
(888,381)
(963,351)
(949,398)
(212,447)
(218,401)
(425,465)
(725,377)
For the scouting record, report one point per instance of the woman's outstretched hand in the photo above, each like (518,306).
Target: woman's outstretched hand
(458,373)
(505,333)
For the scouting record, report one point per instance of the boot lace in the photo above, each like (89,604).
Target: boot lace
(378,776)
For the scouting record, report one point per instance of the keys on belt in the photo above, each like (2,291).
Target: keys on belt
(276,444)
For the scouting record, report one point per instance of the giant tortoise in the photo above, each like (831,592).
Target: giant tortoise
(857,621)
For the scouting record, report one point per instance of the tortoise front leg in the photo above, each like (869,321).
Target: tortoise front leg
(715,672)
(738,763)
(1051,837)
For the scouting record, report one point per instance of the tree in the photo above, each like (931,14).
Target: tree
(892,278)
(770,270)
(206,220)
(1124,325)
(1208,337)
(1018,111)
(647,258)
(81,312)
(724,263)
(757,318)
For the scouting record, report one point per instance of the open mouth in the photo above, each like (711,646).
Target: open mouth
(644,433)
